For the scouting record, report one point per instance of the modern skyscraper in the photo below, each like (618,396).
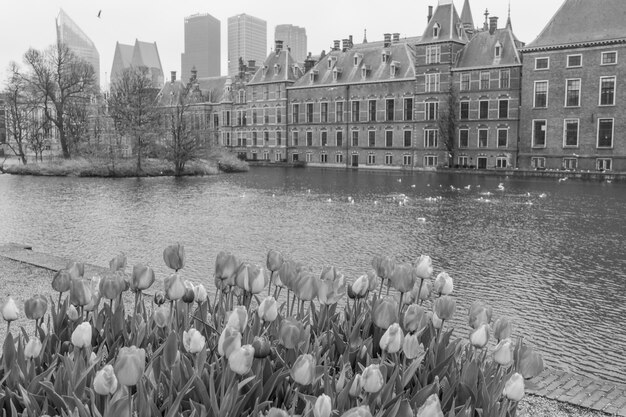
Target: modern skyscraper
(70,34)
(247,39)
(294,38)
(202,46)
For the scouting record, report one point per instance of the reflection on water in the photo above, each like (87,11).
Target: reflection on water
(549,255)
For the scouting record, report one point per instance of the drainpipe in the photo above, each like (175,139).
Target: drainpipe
(287,137)
(348,137)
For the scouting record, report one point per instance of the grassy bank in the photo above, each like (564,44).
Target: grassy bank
(104,167)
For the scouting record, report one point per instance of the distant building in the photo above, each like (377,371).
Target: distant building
(3,123)
(70,34)
(247,40)
(142,54)
(294,40)
(202,46)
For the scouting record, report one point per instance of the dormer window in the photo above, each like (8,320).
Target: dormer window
(386,56)
(498,49)
(364,71)
(459,30)
(394,68)
(357,59)
(264,69)
(336,73)
(276,69)
(436,30)
(313,74)
(331,61)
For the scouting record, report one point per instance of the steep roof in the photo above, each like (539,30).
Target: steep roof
(449,22)
(211,89)
(278,66)
(146,54)
(121,59)
(400,54)
(466,15)
(583,21)
(480,50)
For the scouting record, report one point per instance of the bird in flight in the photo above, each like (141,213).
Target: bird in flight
(99,13)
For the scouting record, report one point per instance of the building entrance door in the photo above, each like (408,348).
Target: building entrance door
(355,160)
(481,163)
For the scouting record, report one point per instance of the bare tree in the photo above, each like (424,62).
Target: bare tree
(60,80)
(446,122)
(38,135)
(132,105)
(18,115)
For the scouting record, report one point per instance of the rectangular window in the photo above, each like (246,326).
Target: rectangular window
(408,109)
(355,111)
(339,112)
(503,109)
(355,138)
(464,113)
(432,83)
(604,164)
(538,162)
(407,139)
(607,91)
(323,138)
(570,132)
(279,116)
(407,160)
(371,138)
(309,112)
(388,159)
(266,116)
(372,110)
(570,163)
(309,138)
(605,133)
(483,109)
(539,133)
(339,138)
(295,111)
(266,138)
(463,161)
(503,138)
(388,138)
(432,111)
(323,158)
(430,161)
(574,61)
(483,135)
(484,80)
(463,138)
(309,157)
(279,138)
(541,94)
(278,156)
(324,112)
(505,78)
(572,93)
(542,63)
(254,117)
(501,162)
(371,159)
(339,158)
(294,138)
(255,139)
(609,58)
(390,109)
(431,137)
(266,155)
(433,54)
(465,81)
(226,118)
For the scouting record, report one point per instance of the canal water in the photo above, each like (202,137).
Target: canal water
(548,254)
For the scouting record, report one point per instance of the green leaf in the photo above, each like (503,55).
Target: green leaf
(56,399)
(179,398)
(410,371)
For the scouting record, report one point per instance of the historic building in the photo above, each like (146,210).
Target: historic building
(572,107)
(141,54)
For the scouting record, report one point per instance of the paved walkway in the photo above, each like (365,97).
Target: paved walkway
(25,254)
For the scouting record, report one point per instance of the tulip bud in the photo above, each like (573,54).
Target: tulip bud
(193,341)
(290,332)
(502,328)
(93,358)
(445,307)
(174,256)
(274,260)
(480,336)
(424,267)
(479,313)
(303,369)
(411,346)
(229,340)
(415,318)
(93,303)
(372,379)
(288,272)
(75,269)
(32,348)
(35,307)
(514,387)
(392,339)
(238,319)
(425,290)
(9,310)
(255,280)
(323,406)
(385,312)
(402,278)
(331,286)
(431,408)
(161,316)
(262,347)
(437,322)
(306,285)
(360,287)
(190,293)
(159,297)
(81,336)
(112,284)
(72,313)
(174,287)
(277,412)
(105,382)
(143,278)
(268,309)
(226,266)
(118,263)
(386,267)
(129,365)
(503,352)
(201,294)
(240,361)
(443,284)
(355,388)
(62,281)
(362,411)
(80,292)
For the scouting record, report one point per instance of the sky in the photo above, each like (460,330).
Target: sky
(30,23)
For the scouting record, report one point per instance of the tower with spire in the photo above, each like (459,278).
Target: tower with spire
(467,20)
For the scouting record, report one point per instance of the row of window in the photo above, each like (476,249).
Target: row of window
(483,109)
(604,133)
(483,82)
(576,60)
(355,113)
(502,138)
(407,160)
(606,93)
(602,164)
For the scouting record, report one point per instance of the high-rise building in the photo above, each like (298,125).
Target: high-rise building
(294,39)
(202,46)
(70,34)
(247,39)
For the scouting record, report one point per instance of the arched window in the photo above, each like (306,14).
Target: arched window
(436,30)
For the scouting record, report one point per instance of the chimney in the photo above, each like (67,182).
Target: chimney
(345,45)
(173,76)
(387,42)
(309,63)
(493,24)
(430,14)
(350,39)
(194,74)
(279,45)
(251,64)
(396,37)
(336,43)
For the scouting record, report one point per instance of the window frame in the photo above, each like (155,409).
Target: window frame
(355,110)
(467,132)
(339,138)
(466,78)
(541,59)
(408,109)
(410,138)
(506,143)
(614,78)
(432,110)
(431,138)
(567,90)
(612,119)
(461,103)
(604,160)
(371,134)
(387,109)
(480,109)
(483,80)
(500,101)
(565,122)
(407,159)
(478,137)
(605,53)
(508,78)
(388,138)
(533,142)
(369,109)
(339,111)
(567,61)
(432,82)
(354,135)
(547,84)
(431,160)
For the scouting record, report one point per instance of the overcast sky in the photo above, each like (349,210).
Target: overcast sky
(26,23)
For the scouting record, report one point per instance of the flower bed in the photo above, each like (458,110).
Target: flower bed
(240,352)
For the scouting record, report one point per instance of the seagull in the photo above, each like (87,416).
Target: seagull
(413,186)
(399,179)
(99,13)
(273,195)
(609,181)
(329,200)
(308,191)
(562,179)
(421,219)
(501,187)
(542,195)
(375,202)
(351,201)
(467,187)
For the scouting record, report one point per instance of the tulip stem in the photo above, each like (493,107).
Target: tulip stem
(269,288)
(8,327)
(380,290)
(287,300)
(130,402)
(59,305)
(400,305)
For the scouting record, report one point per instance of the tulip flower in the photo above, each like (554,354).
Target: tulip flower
(437,322)
(72,313)
(425,290)
(105,381)
(332,286)
(93,358)
(372,279)
(306,285)
(445,307)
(9,310)
(229,341)
(118,263)
(480,337)
(514,387)
(386,267)
(274,260)
(391,340)
(402,278)
(95,299)
(372,379)
(238,319)
(424,267)
(502,328)
(323,406)
(360,287)
(277,412)
(201,294)
(251,278)
(503,352)
(411,346)
(479,313)
(142,278)
(226,266)
(415,318)
(159,297)
(174,256)
(303,369)
(161,316)
(112,285)
(262,347)
(385,312)
(174,287)
(356,386)
(431,408)
(75,269)
(129,365)
(190,292)
(288,272)
(193,341)
(268,309)
(80,292)
(81,336)
(290,333)
(32,348)
(443,284)
(240,360)
(362,411)
(62,281)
